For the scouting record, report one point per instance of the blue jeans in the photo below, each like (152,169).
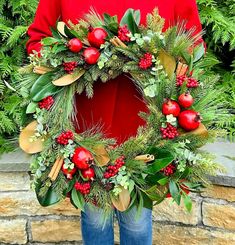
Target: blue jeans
(133,230)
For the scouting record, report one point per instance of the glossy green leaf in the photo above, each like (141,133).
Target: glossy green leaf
(49,199)
(31,108)
(131,18)
(175,192)
(70,33)
(163,159)
(198,52)
(187,202)
(78,199)
(43,87)
(111,23)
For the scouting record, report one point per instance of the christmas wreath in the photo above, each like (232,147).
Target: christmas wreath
(164,159)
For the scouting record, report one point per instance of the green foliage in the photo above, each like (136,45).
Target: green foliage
(15,16)
(218,19)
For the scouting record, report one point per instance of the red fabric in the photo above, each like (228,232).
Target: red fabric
(115,104)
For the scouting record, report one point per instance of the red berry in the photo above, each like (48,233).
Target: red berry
(123,33)
(46,103)
(63,138)
(171,107)
(83,188)
(189,120)
(97,37)
(186,100)
(192,83)
(169,170)
(82,158)
(91,55)
(75,45)
(170,132)
(88,173)
(146,61)
(70,66)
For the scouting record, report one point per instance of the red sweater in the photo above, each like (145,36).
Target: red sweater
(116,104)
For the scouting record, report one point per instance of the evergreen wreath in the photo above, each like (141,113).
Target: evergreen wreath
(164,160)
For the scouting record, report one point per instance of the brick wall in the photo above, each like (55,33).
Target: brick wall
(23,221)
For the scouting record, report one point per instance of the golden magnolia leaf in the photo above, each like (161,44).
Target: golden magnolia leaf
(25,139)
(101,155)
(68,79)
(168,62)
(122,202)
(41,70)
(201,131)
(60,28)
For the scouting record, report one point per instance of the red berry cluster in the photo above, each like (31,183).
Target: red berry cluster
(123,33)
(70,66)
(46,103)
(63,139)
(191,82)
(170,132)
(169,170)
(146,61)
(83,188)
(112,170)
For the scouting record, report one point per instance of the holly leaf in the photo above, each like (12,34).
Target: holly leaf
(43,87)
(77,199)
(111,23)
(131,18)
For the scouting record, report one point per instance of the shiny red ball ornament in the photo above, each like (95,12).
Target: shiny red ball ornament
(88,174)
(189,120)
(75,45)
(171,107)
(69,173)
(82,158)
(97,36)
(186,100)
(91,55)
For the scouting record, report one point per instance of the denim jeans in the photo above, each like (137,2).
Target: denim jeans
(133,230)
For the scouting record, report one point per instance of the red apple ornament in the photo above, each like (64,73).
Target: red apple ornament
(97,36)
(75,45)
(171,107)
(69,173)
(186,100)
(91,55)
(88,174)
(189,120)
(82,158)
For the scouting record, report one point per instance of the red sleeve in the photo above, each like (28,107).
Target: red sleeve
(48,12)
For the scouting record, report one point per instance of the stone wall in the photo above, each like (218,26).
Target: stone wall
(23,221)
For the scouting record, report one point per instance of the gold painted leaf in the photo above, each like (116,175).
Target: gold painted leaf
(122,202)
(68,79)
(168,62)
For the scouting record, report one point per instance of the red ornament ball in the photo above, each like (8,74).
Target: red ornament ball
(88,174)
(97,36)
(69,173)
(82,158)
(91,55)
(46,103)
(171,107)
(189,120)
(75,45)
(186,100)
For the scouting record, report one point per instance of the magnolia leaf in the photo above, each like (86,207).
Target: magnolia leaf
(198,52)
(24,139)
(43,87)
(168,62)
(175,192)
(123,200)
(68,79)
(187,201)
(61,27)
(101,155)
(131,18)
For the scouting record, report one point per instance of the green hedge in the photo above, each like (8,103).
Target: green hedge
(218,18)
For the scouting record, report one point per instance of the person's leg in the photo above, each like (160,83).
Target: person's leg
(135,230)
(96,231)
